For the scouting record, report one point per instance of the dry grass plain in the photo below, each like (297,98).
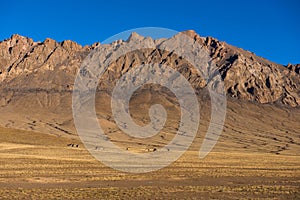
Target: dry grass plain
(257,157)
(44,168)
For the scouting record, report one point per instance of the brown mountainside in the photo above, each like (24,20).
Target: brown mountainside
(51,66)
(256,156)
(37,80)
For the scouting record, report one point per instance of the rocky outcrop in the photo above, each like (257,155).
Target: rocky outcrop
(250,77)
(51,66)
(294,68)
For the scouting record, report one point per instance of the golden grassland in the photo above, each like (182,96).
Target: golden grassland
(256,157)
(40,166)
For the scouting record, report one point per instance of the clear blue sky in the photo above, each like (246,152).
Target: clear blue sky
(270,28)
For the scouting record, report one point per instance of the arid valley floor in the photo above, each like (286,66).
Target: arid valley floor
(245,164)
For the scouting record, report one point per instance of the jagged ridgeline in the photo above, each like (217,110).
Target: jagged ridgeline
(51,66)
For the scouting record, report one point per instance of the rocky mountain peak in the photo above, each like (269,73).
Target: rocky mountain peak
(50,64)
(135,37)
(17,39)
(294,68)
(70,45)
(50,42)
(192,34)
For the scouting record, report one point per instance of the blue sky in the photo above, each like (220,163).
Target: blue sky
(270,28)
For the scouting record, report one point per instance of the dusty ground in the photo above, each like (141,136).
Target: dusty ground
(256,157)
(38,166)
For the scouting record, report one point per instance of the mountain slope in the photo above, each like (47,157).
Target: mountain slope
(52,66)
(37,78)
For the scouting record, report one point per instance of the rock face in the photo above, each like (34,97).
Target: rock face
(294,68)
(250,77)
(50,67)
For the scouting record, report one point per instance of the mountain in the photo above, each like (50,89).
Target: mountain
(51,66)
(37,78)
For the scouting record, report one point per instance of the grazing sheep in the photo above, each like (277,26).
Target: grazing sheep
(151,150)
(99,148)
(73,145)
